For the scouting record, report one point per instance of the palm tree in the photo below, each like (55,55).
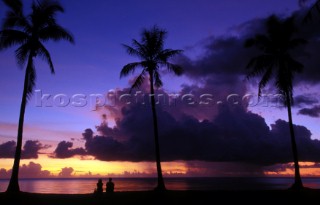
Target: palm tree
(153,56)
(276,60)
(29,32)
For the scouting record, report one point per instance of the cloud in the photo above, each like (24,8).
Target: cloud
(4,174)
(234,135)
(33,170)
(66,172)
(30,149)
(311,112)
(64,150)
(7,149)
(215,128)
(305,100)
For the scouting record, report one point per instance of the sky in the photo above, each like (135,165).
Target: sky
(208,127)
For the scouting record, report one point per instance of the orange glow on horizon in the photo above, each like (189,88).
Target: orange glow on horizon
(307,169)
(91,167)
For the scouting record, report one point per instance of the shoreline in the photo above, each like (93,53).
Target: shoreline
(168,197)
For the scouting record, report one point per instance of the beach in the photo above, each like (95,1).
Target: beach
(168,197)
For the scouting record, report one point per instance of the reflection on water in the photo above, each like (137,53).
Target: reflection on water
(82,186)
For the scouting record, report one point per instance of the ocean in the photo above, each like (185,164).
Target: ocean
(84,186)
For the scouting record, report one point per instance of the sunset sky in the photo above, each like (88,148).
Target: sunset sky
(219,139)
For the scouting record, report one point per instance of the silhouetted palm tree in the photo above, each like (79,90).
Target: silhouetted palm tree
(29,32)
(276,61)
(153,56)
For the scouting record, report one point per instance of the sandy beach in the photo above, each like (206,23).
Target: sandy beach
(169,197)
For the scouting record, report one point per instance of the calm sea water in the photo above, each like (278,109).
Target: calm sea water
(82,186)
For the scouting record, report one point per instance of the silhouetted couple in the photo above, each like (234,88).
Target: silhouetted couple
(109,186)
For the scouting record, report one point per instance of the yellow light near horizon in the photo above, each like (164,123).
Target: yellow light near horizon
(83,166)
(306,170)
(6,164)
(86,167)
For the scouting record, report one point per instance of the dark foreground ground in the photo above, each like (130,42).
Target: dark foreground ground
(169,197)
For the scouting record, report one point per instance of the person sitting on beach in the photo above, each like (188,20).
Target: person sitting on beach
(110,186)
(99,186)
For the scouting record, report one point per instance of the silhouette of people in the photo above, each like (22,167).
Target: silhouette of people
(99,186)
(110,186)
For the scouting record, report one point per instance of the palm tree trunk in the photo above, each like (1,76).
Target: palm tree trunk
(297,177)
(160,186)
(13,186)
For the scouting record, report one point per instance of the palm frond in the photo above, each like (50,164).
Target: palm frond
(165,54)
(43,12)
(160,37)
(12,20)
(314,8)
(56,33)
(133,52)
(265,79)
(154,39)
(157,79)
(14,5)
(10,38)
(22,53)
(31,77)
(294,65)
(44,53)
(262,42)
(14,16)
(259,64)
(141,48)
(50,7)
(176,69)
(129,68)
(138,81)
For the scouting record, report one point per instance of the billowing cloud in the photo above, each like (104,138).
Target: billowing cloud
(312,112)
(33,170)
(234,135)
(64,150)
(209,120)
(30,149)
(66,172)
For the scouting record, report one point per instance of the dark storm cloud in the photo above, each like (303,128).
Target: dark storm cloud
(311,112)
(220,132)
(234,135)
(226,56)
(64,150)
(30,149)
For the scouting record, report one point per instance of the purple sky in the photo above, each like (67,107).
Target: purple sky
(92,65)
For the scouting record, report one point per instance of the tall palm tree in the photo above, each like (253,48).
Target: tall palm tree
(150,50)
(276,61)
(28,33)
